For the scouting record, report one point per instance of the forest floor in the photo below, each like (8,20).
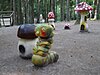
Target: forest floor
(79,52)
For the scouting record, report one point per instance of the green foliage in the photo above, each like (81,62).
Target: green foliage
(4,5)
(94,6)
(44,7)
(72,3)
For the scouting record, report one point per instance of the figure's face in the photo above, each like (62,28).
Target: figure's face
(44,31)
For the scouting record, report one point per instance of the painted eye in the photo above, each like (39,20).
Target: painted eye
(43,33)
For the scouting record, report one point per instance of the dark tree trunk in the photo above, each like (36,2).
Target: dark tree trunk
(67,12)
(11,5)
(38,11)
(55,10)
(52,5)
(46,10)
(19,12)
(62,10)
(31,13)
(98,9)
(14,9)
(77,15)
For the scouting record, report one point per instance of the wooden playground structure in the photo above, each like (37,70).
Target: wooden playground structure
(6,18)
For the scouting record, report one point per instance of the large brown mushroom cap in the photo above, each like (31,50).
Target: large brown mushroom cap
(26,31)
(83,7)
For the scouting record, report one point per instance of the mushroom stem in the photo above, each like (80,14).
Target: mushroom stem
(83,23)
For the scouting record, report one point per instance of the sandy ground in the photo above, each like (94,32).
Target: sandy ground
(79,52)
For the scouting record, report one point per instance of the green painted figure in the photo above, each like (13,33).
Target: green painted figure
(41,53)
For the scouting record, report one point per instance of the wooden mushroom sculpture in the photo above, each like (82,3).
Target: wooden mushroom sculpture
(51,19)
(83,8)
(26,40)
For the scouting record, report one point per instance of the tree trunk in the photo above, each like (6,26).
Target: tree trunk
(31,13)
(24,6)
(98,9)
(11,5)
(14,9)
(77,15)
(67,12)
(52,5)
(46,11)
(55,10)
(62,10)
(38,11)
(19,12)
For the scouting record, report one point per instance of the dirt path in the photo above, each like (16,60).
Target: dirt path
(79,52)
